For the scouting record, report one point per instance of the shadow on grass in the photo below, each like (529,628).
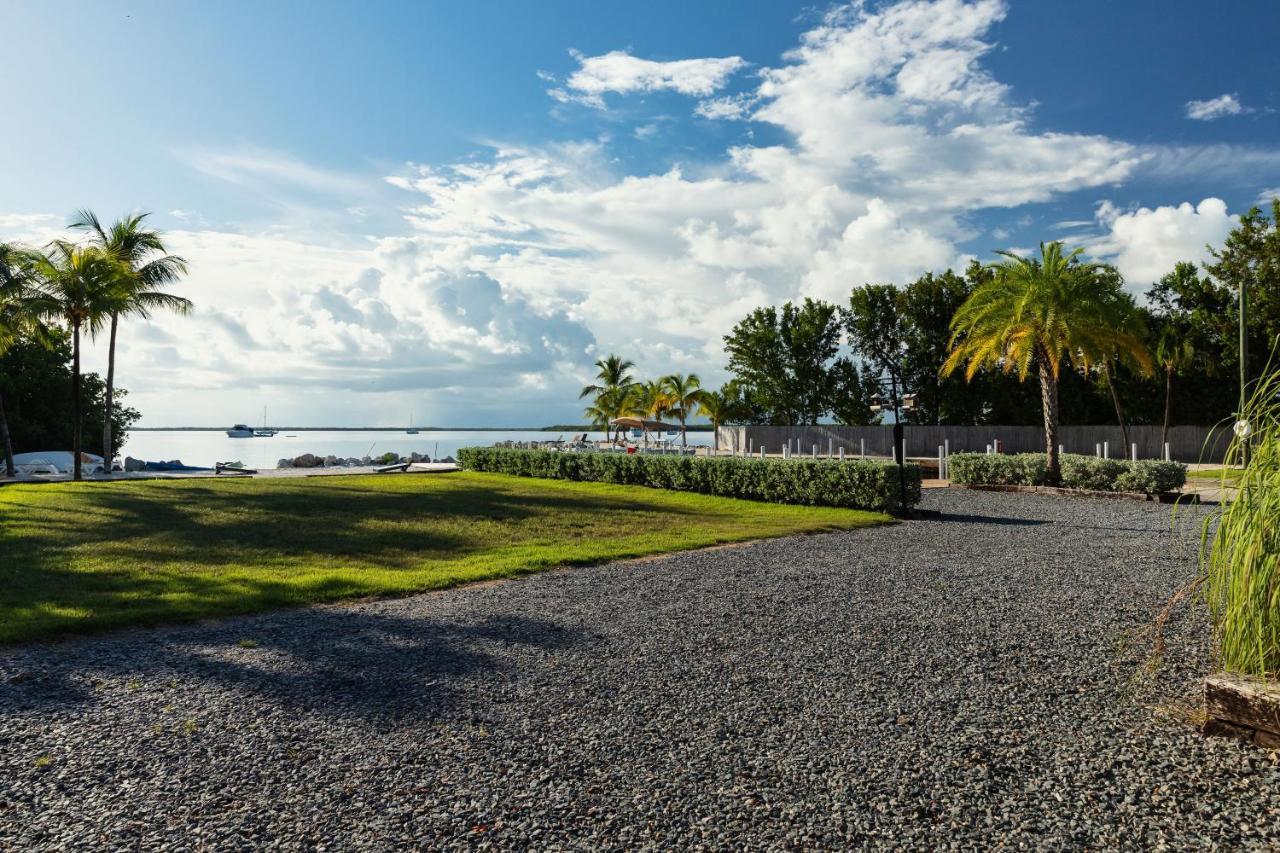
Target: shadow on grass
(108,555)
(329,660)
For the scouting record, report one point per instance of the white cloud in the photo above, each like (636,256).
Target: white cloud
(1145,243)
(620,72)
(1213,108)
(1267,196)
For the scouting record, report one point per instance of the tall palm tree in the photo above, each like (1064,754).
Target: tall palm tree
(141,252)
(608,405)
(1121,312)
(612,374)
(684,394)
(21,306)
(647,400)
(1035,315)
(1174,351)
(715,407)
(80,285)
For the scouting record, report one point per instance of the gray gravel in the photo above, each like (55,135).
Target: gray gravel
(970,681)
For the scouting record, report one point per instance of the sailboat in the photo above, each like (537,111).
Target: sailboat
(412,430)
(265,432)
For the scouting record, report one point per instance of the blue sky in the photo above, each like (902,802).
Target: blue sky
(454,208)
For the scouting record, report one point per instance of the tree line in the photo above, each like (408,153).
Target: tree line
(965,345)
(52,297)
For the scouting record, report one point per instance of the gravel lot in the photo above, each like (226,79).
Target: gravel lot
(967,681)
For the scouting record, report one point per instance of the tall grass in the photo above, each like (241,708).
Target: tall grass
(1243,560)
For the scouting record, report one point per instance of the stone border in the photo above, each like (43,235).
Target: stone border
(1243,706)
(1162,497)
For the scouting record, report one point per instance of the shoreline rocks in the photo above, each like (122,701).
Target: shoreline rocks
(311,460)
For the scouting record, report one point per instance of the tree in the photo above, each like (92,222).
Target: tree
(613,373)
(785,359)
(715,407)
(1207,315)
(146,269)
(1036,314)
(609,404)
(878,331)
(1174,351)
(683,394)
(854,391)
(35,380)
(1121,313)
(20,308)
(80,285)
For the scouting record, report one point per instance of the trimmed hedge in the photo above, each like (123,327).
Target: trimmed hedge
(857,484)
(1149,476)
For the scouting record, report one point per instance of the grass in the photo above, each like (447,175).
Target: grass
(92,556)
(1243,564)
(1230,475)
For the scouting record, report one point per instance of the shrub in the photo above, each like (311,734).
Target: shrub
(857,484)
(1078,472)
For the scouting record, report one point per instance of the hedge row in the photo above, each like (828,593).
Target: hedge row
(1078,472)
(857,484)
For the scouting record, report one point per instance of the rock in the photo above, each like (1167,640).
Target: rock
(330,461)
(447,459)
(285,463)
(307,460)
(416,457)
(131,464)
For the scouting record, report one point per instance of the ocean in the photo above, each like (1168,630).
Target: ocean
(204,448)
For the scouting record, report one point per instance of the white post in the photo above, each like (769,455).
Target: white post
(1097,450)
(1166,452)
(842,453)
(762,452)
(988,450)
(786,450)
(831,447)
(895,453)
(815,451)
(942,462)
(1106,450)
(751,446)
(1135,451)
(862,448)
(1061,452)
(946,447)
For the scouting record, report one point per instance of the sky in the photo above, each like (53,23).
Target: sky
(451,210)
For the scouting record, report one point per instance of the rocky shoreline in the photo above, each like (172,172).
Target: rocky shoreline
(311,460)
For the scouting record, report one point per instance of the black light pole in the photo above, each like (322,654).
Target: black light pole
(899,444)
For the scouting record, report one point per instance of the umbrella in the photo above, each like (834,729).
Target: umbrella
(640,423)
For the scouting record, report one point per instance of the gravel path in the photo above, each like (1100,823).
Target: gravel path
(969,681)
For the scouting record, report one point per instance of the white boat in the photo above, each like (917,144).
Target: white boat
(56,462)
(412,430)
(240,431)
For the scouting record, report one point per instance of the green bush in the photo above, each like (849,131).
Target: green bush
(1078,472)
(858,484)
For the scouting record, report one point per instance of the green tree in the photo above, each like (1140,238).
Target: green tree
(609,404)
(613,372)
(21,306)
(1120,313)
(80,285)
(785,359)
(878,332)
(1174,351)
(147,269)
(1034,316)
(715,407)
(35,380)
(683,394)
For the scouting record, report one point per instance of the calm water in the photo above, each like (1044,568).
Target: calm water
(206,448)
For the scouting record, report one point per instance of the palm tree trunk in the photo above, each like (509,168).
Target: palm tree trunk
(683,441)
(715,435)
(1168,406)
(75,401)
(1049,404)
(1115,401)
(9,470)
(107,454)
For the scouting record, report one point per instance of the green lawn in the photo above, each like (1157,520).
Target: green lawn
(90,556)
(1233,474)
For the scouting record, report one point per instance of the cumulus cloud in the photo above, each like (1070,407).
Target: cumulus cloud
(1213,108)
(1145,243)
(618,71)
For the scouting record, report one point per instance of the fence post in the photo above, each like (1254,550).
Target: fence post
(1134,448)
(831,447)
(1166,452)
(1106,450)
(842,453)
(1097,450)
(1061,452)
(815,451)
(942,462)
(751,446)
(862,445)
(762,451)
(946,446)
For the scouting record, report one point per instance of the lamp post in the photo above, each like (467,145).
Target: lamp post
(898,405)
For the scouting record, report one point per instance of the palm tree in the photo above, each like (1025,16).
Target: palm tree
(1034,315)
(1123,315)
(647,400)
(609,404)
(715,406)
(1174,351)
(684,394)
(20,308)
(141,252)
(613,374)
(81,285)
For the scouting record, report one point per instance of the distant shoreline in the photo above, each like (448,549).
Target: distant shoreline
(556,428)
